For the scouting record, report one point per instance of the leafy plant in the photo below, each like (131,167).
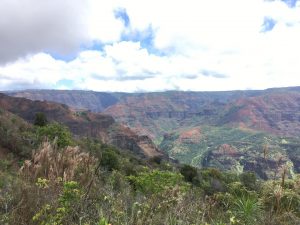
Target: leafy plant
(57,132)
(248,209)
(109,160)
(157,181)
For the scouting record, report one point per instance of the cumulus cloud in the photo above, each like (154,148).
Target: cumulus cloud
(30,26)
(150,45)
(61,27)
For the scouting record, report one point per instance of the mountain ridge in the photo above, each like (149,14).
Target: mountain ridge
(83,123)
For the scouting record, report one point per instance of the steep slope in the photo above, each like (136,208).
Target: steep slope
(82,123)
(233,149)
(13,135)
(228,133)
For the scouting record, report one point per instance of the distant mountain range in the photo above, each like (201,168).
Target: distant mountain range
(229,130)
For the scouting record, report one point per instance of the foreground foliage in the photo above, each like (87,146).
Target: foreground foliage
(94,183)
(74,188)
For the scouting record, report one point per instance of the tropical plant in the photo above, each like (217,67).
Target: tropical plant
(248,209)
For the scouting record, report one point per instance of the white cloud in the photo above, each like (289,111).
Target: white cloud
(207,45)
(101,22)
(31,26)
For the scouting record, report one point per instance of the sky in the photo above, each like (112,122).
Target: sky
(142,46)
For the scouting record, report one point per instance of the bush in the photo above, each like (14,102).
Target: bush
(156,159)
(189,173)
(40,119)
(248,179)
(55,131)
(109,160)
(212,181)
(157,181)
(91,145)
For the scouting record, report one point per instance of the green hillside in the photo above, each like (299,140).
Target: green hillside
(49,176)
(234,149)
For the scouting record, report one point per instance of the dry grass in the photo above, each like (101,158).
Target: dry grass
(51,163)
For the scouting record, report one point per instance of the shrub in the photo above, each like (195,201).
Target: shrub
(248,210)
(55,131)
(211,181)
(189,173)
(91,145)
(156,159)
(248,179)
(109,160)
(66,210)
(40,119)
(157,181)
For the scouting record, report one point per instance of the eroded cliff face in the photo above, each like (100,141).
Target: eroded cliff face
(276,113)
(228,157)
(234,149)
(125,138)
(273,112)
(159,113)
(83,123)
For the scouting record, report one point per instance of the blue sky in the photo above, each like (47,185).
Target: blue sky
(137,46)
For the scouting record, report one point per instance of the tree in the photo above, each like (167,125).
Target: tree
(40,119)
(109,160)
(188,172)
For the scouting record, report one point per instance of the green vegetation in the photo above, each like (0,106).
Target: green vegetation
(109,159)
(233,149)
(98,184)
(156,181)
(47,177)
(57,132)
(15,135)
(189,173)
(40,119)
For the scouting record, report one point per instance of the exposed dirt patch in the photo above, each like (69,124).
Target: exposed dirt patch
(192,136)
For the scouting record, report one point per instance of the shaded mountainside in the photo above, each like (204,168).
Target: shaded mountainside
(82,123)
